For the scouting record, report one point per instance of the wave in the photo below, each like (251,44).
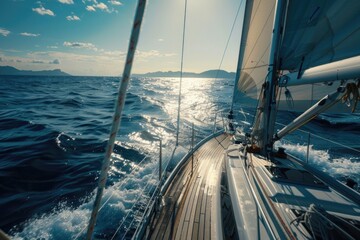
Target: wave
(53,143)
(340,167)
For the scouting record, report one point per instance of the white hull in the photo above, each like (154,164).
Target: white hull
(267,198)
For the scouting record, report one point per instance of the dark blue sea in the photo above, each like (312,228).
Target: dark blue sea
(54,131)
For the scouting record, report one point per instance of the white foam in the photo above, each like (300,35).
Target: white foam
(56,225)
(66,222)
(322,160)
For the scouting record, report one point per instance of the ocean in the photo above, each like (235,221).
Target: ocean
(54,131)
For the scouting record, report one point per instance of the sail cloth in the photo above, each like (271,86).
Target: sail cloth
(255,46)
(318,32)
(315,32)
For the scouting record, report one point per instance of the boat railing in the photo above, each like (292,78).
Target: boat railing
(306,139)
(148,201)
(315,150)
(140,216)
(214,128)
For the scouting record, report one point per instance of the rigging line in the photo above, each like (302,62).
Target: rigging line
(262,31)
(137,211)
(342,145)
(143,215)
(181,75)
(257,106)
(323,138)
(227,43)
(257,66)
(136,214)
(107,200)
(119,105)
(111,195)
(278,92)
(141,194)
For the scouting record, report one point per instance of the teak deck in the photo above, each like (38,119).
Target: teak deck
(190,199)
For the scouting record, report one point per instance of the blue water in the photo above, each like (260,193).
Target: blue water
(54,131)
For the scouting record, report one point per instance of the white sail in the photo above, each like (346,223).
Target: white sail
(255,46)
(318,32)
(315,32)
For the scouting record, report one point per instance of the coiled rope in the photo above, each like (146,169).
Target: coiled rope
(317,220)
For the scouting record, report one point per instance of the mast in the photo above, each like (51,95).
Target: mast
(269,99)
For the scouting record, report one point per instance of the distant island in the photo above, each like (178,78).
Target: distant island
(7,70)
(206,74)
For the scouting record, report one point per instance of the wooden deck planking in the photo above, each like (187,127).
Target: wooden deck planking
(208,158)
(193,214)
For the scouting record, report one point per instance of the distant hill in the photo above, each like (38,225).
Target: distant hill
(206,74)
(7,70)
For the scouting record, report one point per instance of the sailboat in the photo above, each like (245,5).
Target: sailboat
(294,56)
(305,50)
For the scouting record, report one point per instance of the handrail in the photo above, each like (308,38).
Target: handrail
(183,160)
(318,136)
(152,203)
(150,210)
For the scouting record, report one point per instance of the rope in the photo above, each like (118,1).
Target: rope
(226,46)
(135,202)
(111,195)
(289,98)
(181,74)
(317,220)
(118,110)
(325,139)
(352,95)
(143,215)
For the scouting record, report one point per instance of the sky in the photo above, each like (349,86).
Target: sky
(90,37)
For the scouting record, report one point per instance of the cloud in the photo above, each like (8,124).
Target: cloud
(4,32)
(66,1)
(26,34)
(73,18)
(146,54)
(116,3)
(80,45)
(116,54)
(42,11)
(90,8)
(101,6)
(53,47)
(107,62)
(160,40)
(56,61)
(95,4)
(37,61)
